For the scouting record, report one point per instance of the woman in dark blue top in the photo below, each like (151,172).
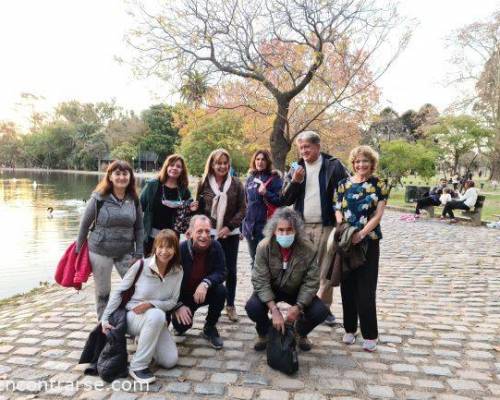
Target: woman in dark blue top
(262,191)
(360,202)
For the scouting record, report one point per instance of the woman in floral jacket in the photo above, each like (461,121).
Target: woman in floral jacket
(361,200)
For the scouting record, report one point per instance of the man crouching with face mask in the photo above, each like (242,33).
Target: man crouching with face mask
(285,270)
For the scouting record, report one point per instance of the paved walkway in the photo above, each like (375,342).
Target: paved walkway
(439,317)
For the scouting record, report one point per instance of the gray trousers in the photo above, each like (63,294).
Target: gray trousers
(102,267)
(155,339)
(318,235)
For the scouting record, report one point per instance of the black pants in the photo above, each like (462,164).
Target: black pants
(454,205)
(426,202)
(148,246)
(230,246)
(216,295)
(252,246)
(358,290)
(314,314)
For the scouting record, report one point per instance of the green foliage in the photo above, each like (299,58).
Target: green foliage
(10,145)
(455,136)
(399,158)
(163,135)
(194,88)
(223,129)
(52,146)
(125,152)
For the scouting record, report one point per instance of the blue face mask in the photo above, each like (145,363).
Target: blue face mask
(285,241)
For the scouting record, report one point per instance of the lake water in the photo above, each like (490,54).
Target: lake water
(31,244)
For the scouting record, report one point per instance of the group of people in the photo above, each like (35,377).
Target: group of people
(288,247)
(442,195)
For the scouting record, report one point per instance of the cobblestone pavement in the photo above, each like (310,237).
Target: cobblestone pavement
(439,318)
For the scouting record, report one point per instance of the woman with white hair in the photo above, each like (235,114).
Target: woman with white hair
(285,270)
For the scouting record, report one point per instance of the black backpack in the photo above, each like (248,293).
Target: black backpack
(282,350)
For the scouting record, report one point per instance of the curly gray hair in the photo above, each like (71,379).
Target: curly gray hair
(289,215)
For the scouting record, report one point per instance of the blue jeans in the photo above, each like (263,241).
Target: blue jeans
(252,246)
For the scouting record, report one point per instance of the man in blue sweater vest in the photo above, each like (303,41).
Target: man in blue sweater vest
(204,268)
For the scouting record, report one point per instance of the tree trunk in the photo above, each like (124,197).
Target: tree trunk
(495,158)
(280,145)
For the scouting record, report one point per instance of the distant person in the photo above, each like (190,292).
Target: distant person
(286,270)
(203,262)
(310,186)
(156,292)
(262,192)
(222,199)
(445,196)
(455,180)
(465,202)
(361,201)
(433,198)
(166,201)
(112,221)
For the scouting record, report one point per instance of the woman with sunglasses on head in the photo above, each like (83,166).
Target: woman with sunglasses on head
(113,217)
(167,201)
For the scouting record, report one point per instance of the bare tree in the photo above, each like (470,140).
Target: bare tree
(477,57)
(236,39)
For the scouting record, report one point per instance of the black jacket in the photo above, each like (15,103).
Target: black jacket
(216,267)
(331,173)
(107,354)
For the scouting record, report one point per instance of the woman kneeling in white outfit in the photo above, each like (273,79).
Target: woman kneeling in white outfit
(156,292)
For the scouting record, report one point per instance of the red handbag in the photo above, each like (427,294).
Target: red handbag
(74,269)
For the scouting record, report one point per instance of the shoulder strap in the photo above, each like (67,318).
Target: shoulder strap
(127,294)
(98,206)
(268,181)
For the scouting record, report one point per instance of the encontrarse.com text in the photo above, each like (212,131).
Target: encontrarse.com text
(46,386)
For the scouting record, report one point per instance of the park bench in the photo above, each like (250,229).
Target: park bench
(474,215)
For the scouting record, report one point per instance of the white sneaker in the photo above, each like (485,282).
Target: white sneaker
(370,344)
(349,338)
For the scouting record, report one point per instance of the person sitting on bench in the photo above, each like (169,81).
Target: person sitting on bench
(464,202)
(433,198)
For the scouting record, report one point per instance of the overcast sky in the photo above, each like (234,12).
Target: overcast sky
(65,49)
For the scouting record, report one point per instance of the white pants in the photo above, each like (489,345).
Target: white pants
(154,339)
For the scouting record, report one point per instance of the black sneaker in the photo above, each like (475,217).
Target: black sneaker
(330,320)
(212,335)
(143,376)
(305,344)
(260,343)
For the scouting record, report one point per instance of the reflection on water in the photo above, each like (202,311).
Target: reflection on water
(31,242)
